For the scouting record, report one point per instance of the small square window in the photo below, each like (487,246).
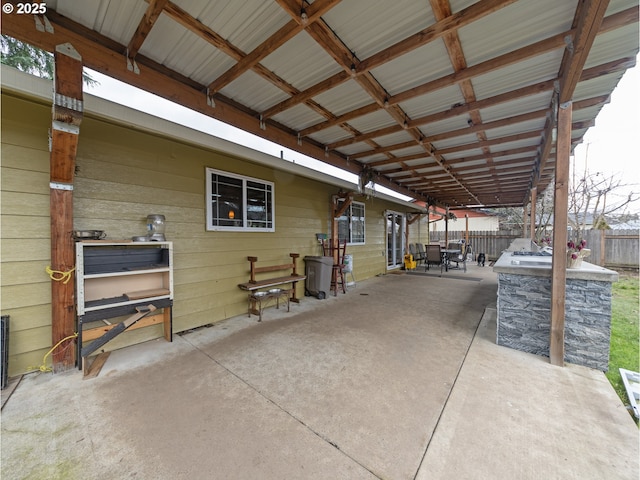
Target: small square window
(238,203)
(351,225)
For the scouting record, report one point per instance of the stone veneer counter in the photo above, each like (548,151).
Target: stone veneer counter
(524,308)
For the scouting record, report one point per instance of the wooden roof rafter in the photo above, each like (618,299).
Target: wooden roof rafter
(421,145)
(590,20)
(152,13)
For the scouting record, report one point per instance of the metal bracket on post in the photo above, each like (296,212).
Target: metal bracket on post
(210,101)
(568,40)
(61,186)
(68,102)
(132,66)
(65,127)
(47,25)
(43,25)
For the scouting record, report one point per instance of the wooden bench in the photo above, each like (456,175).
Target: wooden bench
(256,288)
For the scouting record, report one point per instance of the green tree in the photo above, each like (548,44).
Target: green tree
(30,59)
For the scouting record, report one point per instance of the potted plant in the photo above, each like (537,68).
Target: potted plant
(576,252)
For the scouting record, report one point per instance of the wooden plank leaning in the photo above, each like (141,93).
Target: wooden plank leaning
(141,312)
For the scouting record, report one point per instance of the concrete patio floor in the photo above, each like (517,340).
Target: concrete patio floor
(398,379)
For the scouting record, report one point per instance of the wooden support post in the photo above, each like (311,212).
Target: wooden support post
(67,116)
(294,257)
(532,218)
(446,228)
(411,218)
(560,219)
(429,223)
(406,237)
(336,211)
(466,229)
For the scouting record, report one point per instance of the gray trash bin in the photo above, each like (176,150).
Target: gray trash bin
(318,271)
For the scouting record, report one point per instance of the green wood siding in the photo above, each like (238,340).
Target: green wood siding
(25,228)
(124,174)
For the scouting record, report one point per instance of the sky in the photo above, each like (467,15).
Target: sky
(609,148)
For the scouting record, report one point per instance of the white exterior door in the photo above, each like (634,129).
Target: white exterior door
(395,239)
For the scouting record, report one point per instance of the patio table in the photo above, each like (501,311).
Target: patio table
(447,253)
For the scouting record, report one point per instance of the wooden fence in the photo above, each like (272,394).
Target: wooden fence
(613,248)
(609,248)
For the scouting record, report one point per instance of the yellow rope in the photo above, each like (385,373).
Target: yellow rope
(59,276)
(63,277)
(43,367)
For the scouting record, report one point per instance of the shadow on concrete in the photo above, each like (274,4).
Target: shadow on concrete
(398,379)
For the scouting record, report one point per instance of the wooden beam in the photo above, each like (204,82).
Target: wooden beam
(560,222)
(165,81)
(535,89)
(338,212)
(552,43)
(275,41)
(358,112)
(322,34)
(434,32)
(452,23)
(590,15)
(154,9)
(208,35)
(532,213)
(457,133)
(106,56)
(582,35)
(66,117)
(442,9)
(307,94)
(487,143)
(282,36)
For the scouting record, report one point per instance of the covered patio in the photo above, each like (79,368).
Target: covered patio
(399,379)
(451,103)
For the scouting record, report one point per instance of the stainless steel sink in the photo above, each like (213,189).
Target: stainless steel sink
(527,263)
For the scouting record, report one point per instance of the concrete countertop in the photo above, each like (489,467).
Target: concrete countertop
(540,266)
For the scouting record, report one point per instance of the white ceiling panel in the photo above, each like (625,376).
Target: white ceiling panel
(426,68)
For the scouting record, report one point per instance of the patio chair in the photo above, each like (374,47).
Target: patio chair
(412,251)
(461,258)
(418,256)
(420,253)
(433,257)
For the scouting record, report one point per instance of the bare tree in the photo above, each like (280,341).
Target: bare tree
(544,217)
(596,197)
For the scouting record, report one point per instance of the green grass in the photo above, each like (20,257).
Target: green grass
(625,338)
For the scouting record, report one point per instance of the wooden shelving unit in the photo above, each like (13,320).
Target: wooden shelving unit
(118,279)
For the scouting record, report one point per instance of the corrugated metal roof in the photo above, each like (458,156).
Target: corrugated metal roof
(515,26)
(370,26)
(446,104)
(414,68)
(243,90)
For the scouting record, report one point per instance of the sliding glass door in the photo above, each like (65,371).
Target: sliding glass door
(395,239)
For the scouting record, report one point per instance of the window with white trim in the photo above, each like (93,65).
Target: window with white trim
(351,224)
(239,203)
